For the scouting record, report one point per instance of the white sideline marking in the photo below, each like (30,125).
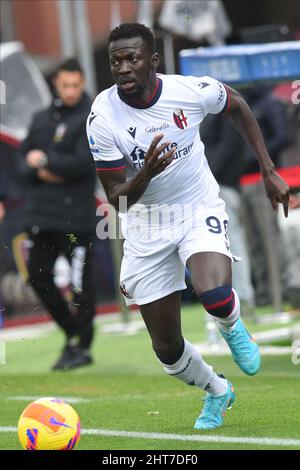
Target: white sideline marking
(67,399)
(8,429)
(221,349)
(39,330)
(19,333)
(268,441)
(128,396)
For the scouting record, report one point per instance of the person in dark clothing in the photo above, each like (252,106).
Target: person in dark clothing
(2,208)
(271,117)
(60,210)
(2,214)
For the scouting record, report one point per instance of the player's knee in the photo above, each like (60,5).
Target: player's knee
(219,302)
(168,351)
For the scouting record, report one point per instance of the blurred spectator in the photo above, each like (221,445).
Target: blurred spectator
(224,152)
(291,236)
(2,208)
(60,210)
(271,117)
(2,214)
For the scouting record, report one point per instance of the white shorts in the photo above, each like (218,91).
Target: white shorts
(154,260)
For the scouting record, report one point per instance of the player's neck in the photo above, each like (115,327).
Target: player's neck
(146,99)
(149,92)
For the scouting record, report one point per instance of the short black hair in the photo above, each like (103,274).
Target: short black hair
(133,30)
(69,65)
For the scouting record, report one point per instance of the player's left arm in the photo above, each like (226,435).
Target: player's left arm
(244,120)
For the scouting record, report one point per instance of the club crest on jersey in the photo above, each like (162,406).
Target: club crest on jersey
(179,118)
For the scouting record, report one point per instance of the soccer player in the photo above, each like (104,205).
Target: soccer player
(144,136)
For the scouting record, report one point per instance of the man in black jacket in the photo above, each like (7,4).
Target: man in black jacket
(60,210)
(224,152)
(271,116)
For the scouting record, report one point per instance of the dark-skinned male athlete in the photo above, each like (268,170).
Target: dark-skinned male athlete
(144,136)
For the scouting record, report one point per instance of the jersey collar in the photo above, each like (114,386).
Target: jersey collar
(152,100)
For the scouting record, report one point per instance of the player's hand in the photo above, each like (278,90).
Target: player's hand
(277,191)
(157,158)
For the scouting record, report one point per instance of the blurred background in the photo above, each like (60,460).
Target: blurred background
(36,35)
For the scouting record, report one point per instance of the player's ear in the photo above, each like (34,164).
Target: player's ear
(155,60)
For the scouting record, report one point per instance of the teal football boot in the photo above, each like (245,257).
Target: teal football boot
(214,410)
(244,349)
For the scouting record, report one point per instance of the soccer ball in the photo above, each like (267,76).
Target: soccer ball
(49,424)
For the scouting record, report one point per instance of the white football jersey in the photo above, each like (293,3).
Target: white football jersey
(120,134)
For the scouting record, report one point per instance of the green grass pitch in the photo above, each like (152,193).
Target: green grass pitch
(127,390)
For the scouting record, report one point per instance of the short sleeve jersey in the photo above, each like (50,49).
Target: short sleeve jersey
(120,134)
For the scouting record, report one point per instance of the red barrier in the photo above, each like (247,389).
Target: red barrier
(291,175)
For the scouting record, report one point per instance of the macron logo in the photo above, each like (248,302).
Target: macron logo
(92,117)
(132,131)
(203,85)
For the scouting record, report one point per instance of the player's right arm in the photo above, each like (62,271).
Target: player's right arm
(115,184)
(111,168)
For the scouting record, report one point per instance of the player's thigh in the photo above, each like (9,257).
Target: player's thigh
(205,250)
(151,273)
